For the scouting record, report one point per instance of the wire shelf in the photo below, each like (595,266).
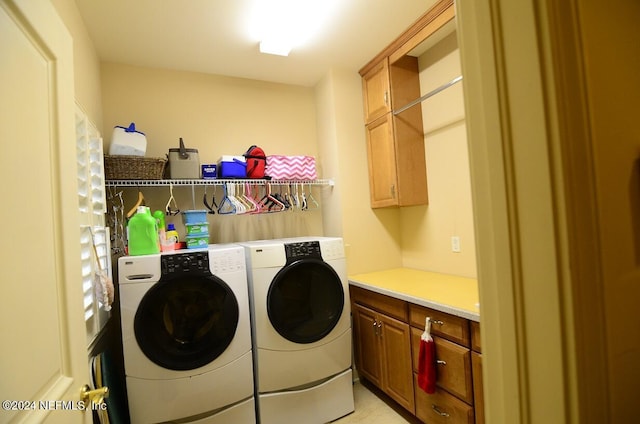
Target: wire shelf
(201,182)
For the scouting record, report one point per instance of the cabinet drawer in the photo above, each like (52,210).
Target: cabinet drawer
(445,325)
(441,407)
(454,372)
(390,306)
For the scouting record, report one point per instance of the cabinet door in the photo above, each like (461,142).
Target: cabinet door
(382,162)
(366,339)
(478,392)
(396,358)
(375,90)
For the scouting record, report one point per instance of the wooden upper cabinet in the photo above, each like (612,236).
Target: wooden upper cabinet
(376,91)
(382,162)
(395,140)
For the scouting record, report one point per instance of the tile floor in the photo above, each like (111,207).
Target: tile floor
(371,409)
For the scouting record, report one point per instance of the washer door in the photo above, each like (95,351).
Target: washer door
(305,300)
(183,324)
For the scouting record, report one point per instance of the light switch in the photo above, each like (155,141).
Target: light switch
(455,244)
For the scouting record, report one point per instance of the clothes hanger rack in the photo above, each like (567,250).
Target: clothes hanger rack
(429,94)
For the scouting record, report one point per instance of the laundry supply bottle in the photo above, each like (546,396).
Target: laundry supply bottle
(143,233)
(162,234)
(172,235)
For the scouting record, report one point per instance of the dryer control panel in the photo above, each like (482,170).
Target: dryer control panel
(302,250)
(196,263)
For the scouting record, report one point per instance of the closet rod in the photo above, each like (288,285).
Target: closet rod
(429,94)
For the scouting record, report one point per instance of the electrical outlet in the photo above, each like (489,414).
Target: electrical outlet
(455,244)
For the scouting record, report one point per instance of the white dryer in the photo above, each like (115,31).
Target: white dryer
(186,336)
(301,322)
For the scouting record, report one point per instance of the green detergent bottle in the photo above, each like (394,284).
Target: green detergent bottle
(143,233)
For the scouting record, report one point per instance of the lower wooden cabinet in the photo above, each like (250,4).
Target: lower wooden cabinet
(383,354)
(387,334)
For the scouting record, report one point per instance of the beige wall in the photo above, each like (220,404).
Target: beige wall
(427,230)
(217,115)
(372,237)
(86,64)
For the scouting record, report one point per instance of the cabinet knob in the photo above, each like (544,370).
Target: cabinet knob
(377,327)
(393,190)
(441,362)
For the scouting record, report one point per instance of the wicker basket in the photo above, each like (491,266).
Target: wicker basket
(133,168)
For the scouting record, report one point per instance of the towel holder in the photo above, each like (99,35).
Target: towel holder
(427,325)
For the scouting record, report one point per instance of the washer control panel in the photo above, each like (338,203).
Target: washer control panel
(195,263)
(302,250)
(226,261)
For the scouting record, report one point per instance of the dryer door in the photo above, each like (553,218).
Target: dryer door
(305,300)
(183,324)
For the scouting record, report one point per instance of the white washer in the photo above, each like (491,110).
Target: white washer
(186,336)
(301,322)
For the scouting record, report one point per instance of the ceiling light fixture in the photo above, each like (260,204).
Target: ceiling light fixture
(280,48)
(281,25)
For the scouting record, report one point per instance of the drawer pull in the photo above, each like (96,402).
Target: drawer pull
(437,321)
(439,412)
(441,362)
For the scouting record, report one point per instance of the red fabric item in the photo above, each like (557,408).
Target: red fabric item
(427,366)
(256,162)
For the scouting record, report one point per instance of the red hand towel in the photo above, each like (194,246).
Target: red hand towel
(427,363)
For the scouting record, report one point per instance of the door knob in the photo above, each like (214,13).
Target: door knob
(94,396)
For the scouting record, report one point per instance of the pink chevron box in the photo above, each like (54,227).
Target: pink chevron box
(282,167)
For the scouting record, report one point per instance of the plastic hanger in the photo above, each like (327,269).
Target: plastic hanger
(167,208)
(231,193)
(249,202)
(140,202)
(118,220)
(226,204)
(210,206)
(308,198)
(269,203)
(296,196)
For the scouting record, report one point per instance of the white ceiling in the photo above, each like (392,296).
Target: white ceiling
(212,36)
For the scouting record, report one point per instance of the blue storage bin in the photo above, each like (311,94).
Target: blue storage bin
(194,217)
(232,167)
